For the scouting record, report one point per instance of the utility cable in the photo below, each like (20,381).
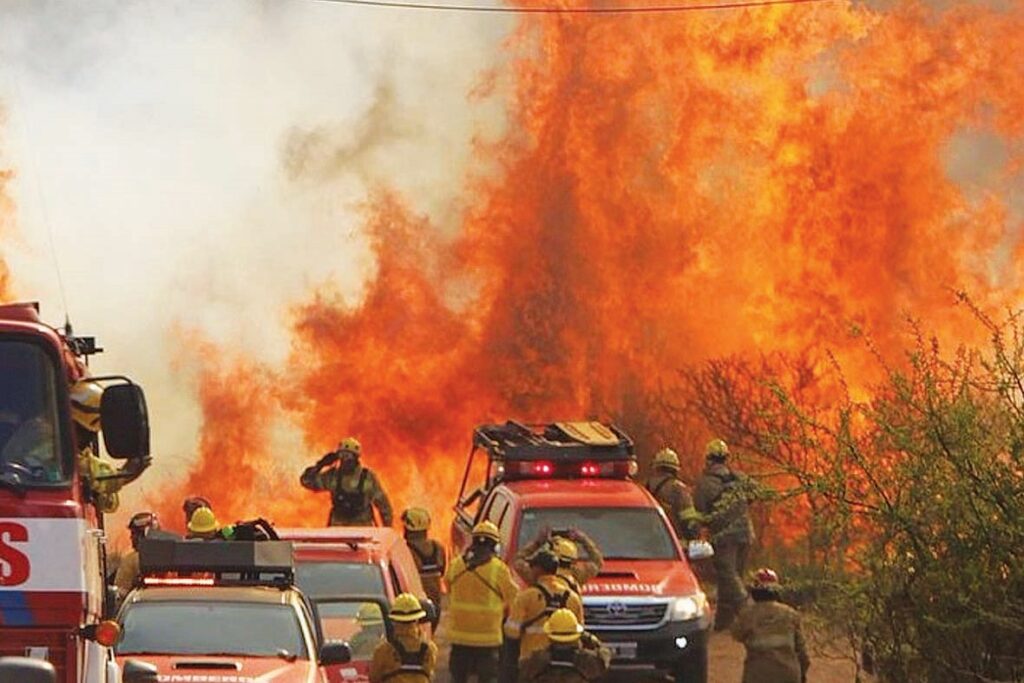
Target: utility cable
(642,9)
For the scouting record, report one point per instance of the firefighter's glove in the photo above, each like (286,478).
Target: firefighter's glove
(328,459)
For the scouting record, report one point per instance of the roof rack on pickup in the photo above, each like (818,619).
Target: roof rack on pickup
(249,563)
(559,441)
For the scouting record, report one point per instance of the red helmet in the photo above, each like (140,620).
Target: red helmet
(193,503)
(765,578)
(142,522)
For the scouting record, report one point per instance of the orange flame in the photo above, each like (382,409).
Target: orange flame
(672,189)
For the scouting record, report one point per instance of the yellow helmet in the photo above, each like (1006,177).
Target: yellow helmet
(202,521)
(370,614)
(416,519)
(667,457)
(563,627)
(85,404)
(565,550)
(717,448)
(407,609)
(350,444)
(487,529)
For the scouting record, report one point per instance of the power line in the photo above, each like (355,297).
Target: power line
(26,133)
(643,9)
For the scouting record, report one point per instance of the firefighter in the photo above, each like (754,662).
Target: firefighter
(103,480)
(571,656)
(577,570)
(547,593)
(193,503)
(673,495)
(770,632)
(566,546)
(722,498)
(480,593)
(355,490)
(128,570)
(203,525)
(371,630)
(406,657)
(429,555)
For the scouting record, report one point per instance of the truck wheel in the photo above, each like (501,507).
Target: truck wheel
(693,668)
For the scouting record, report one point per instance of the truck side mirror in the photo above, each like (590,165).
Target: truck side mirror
(433,614)
(125,421)
(136,671)
(699,550)
(25,670)
(333,652)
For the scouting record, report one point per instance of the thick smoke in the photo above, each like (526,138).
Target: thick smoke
(728,183)
(739,183)
(159,142)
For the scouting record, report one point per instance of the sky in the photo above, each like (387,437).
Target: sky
(174,150)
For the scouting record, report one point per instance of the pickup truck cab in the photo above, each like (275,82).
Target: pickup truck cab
(222,612)
(349,573)
(646,604)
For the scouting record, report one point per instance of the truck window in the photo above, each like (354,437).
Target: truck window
(30,434)
(331,579)
(620,533)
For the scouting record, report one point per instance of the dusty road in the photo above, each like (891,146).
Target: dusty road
(725,658)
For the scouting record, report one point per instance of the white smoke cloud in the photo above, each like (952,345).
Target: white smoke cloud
(154,139)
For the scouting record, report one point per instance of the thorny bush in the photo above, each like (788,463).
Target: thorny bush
(905,508)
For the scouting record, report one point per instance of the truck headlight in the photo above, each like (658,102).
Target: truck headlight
(689,607)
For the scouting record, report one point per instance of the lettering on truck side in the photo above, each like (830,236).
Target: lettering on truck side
(605,588)
(39,554)
(15,567)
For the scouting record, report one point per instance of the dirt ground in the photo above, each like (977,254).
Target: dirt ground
(725,663)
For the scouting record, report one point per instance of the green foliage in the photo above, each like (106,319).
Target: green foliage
(914,540)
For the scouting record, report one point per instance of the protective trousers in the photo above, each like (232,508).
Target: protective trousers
(730,562)
(466,662)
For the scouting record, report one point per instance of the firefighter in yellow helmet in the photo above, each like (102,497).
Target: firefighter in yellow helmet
(533,605)
(770,631)
(203,525)
(102,478)
(575,567)
(480,593)
(673,495)
(571,654)
(407,656)
(429,555)
(355,490)
(723,495)
(371,630)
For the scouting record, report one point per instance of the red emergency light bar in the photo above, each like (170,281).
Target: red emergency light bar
(163,581)
(546,469)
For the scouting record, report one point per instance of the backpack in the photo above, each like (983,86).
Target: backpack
(412,663)
(429,564)
(351,503)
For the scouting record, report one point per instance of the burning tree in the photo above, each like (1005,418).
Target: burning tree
(915,495)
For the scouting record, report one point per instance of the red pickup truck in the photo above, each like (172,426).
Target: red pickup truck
(646,604)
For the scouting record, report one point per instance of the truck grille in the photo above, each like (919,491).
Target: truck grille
(616,614)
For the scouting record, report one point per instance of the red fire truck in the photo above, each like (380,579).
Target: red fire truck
(646,604)
(53,592)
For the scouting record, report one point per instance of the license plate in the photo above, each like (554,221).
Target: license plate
(622,650)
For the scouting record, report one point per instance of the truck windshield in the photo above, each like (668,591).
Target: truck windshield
(335,579)
(620,533)
(212,628)
(30,438)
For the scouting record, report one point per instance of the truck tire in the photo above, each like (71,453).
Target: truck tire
(693,668)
